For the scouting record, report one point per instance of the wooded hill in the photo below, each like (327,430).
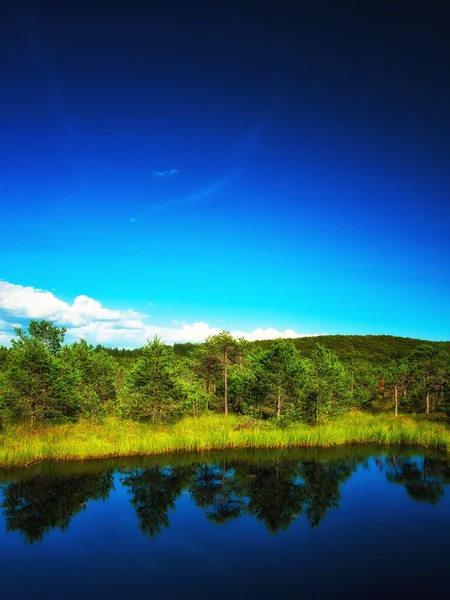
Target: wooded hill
(376,349)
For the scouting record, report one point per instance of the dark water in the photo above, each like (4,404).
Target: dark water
(347,524)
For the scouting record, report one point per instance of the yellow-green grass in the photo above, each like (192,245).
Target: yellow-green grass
(21,445)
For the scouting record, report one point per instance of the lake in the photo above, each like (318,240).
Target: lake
(349,523)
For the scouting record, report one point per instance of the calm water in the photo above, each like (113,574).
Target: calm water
(351,524)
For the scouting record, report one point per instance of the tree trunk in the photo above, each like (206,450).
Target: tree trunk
(279,403)
(319,396)
(428,395)
(225,381)
(396,400)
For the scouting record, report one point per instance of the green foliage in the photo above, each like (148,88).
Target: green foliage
(327,386)
(281,376)
(43,386)
(375,349)
(3,357)
(95,372)
(227,351)
(41,379)
(6,399)
(429,366)
(44,333)
(190,389)
(152,390)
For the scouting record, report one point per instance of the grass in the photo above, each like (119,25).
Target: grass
(21,445)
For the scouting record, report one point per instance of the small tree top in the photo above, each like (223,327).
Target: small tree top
(43,332)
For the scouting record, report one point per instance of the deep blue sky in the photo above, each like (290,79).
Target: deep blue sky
(311,148)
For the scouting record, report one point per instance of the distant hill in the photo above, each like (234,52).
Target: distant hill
(376,349)
(373,348)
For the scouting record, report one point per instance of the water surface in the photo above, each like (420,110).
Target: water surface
(352,523)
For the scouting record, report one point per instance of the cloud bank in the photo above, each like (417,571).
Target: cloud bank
(87,318)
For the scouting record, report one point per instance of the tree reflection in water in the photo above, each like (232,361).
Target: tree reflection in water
(423,480)
(216,489)
(154,492)
(274,492)
(36,505)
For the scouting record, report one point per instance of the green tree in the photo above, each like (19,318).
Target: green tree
(152,384)
(43,386)
(363,381)
(190,388)
(3,358)
(226,349)
(281,372)
(204,366)
(44,332)
(6,399)
(96,376)
(327,385)
(398,378)
(429,365)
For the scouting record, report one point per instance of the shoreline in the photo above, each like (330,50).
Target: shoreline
(23,446)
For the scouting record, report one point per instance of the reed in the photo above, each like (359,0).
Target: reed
(21,445)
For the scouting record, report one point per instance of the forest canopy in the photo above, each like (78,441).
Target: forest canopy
(44,379)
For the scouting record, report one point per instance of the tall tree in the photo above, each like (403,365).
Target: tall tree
(429,364)
(96,373)
(398,377)
(43,385)
(281,369)
(44,332)
(327,386)
(226,349)
(152,383)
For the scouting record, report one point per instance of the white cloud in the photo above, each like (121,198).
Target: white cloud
(87,318)
(271,334)
(33,303)
(5,338)
(166,172)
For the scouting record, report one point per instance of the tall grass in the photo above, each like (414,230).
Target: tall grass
(21,445)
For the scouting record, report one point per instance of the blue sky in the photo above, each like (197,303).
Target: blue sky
(275,170)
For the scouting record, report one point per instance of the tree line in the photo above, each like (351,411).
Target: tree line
(44,379)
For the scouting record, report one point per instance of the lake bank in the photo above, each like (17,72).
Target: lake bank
(22,445)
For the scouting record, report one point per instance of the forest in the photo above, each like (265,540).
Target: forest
(305,380)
